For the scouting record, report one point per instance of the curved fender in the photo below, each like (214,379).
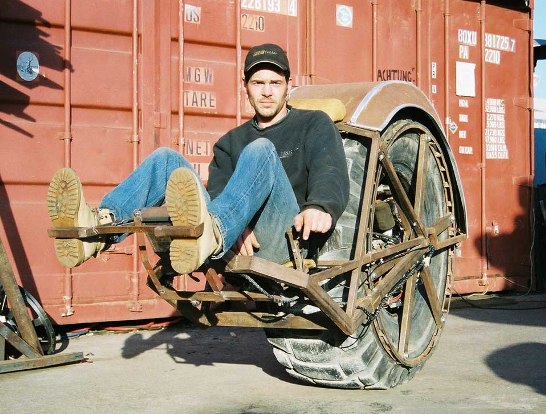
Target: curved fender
(373,105)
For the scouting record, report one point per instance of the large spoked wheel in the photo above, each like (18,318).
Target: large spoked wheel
(40,320)
(412,195)
(409,325)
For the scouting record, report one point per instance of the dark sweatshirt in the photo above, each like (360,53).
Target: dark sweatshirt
(310,148)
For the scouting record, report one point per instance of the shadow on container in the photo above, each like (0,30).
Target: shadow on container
(24,50)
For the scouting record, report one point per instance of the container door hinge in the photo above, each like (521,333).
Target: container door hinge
(523,24)
(523,102)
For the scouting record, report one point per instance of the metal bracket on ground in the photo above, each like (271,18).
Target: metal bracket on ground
(24,339)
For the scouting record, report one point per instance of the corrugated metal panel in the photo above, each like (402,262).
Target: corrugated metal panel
(112,87)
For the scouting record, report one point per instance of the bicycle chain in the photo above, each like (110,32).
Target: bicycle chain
(416,267)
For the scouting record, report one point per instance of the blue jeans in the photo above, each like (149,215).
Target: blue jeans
(258,194)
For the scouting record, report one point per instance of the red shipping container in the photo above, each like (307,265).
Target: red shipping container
(97,85)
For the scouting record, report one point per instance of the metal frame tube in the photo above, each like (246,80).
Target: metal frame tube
(483,184)
(418,39)
(446,65)
(67,136)
(238,67)
(135,140)
(374,40)
(181,139)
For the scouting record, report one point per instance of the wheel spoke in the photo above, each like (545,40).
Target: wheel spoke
(434,303)
(422,160)
(440,226)
(407,312)
(401,195)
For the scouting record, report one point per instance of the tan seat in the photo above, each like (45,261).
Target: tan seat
(333,107)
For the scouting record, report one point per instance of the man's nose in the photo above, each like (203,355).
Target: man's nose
(266,91)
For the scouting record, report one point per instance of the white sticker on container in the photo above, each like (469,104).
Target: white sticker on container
(466,150)
(199,99)
(286,7)
(495,130)
(467,37)
(200,75)
(192,14)
(344,15)
(195,147)
(500,42)
(253,22)
(28,66)
(492,56)
(464,52)
(465,73)
(433,70)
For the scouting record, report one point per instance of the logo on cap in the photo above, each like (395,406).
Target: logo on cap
(267,53)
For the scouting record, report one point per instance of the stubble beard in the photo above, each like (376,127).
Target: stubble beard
(269,112)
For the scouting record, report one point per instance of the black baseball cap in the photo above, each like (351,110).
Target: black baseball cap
(267,53)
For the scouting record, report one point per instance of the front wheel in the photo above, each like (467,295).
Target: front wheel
(412,181)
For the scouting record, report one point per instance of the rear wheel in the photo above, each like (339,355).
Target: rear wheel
(41,322)
(397,339)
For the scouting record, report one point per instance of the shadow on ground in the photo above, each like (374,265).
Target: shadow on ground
(521,364)
(219,345)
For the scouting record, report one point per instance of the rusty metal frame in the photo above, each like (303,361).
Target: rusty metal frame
(361,302)
(26,340)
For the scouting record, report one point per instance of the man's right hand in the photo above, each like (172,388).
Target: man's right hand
(246,243)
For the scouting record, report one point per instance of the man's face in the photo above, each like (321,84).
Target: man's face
(267,90)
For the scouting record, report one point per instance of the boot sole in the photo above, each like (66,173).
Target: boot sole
(63,203)
(184,205)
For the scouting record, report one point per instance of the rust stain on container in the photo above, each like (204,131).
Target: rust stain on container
(98,85)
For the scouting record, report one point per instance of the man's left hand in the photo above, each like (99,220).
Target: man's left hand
(312,220)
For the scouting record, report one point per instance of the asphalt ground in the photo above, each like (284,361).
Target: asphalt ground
(491,359)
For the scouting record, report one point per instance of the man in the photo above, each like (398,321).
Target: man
(284,167)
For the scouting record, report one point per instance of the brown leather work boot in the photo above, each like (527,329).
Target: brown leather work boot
(66,207)
(187,206)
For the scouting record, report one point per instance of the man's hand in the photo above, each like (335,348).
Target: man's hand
(246,243)
(312,220)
